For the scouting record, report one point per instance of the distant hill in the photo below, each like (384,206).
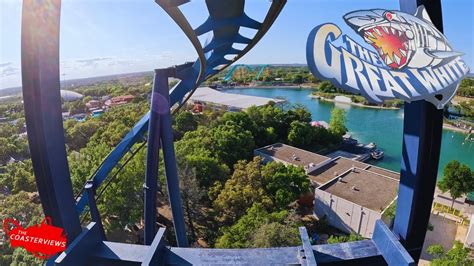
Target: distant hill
(79,82)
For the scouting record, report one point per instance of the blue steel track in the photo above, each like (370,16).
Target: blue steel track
(88,246)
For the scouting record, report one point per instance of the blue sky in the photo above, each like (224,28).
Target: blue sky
(102,37)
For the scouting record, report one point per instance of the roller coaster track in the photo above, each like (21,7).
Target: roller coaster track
(224,21)
(88,246)
(232,70)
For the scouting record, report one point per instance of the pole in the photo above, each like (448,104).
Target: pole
(172,178)
(422,130)
(152,162)
(42,103)
(160,130)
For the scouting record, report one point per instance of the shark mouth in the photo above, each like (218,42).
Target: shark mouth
(391,44)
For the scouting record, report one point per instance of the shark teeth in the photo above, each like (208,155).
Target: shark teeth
(396,26)
(369,41)
(399,33)
(378,31)
(397,59)
(380,51)
(388,60)
(384,28)
(402,52)
(393,31)
(370,34)
(405,44)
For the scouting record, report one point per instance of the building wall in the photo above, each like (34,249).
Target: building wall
(469,242)
(345,215)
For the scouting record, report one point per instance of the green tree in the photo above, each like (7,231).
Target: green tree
(298,113)
(231,143)
(267,117)
(284,184)
(301,134)
(457,255)
(276,235)
(210,169)
(466,88)
(241,119)
(76,107)
(79,133)
(337,123)
(342,239)
(184,122)
(122,203)
(7,130)
(25,208)
(240,235)
(23,181)
(191,194)
(241,190)
(297,79)
(273,185)
(326,86)
(7,150)
(458,179)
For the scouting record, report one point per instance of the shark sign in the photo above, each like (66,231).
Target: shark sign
(409,58)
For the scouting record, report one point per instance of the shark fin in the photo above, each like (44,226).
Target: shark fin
(443,54)
(421,13)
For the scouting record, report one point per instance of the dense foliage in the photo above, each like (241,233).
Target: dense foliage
(458,180)
(342,239)
(457,255)
(466,88)
(230,198)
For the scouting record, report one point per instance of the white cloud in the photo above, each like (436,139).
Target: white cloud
(7,69)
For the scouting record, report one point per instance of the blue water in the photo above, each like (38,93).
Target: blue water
(384,127)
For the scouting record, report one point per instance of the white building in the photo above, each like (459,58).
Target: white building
(352,195)
(229,101)
(69,96)
(354,200)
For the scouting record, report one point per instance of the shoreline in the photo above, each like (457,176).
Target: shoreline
(269,87)
(445,125)
(456,129)
(355,104)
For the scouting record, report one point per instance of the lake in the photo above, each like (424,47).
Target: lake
(384,127)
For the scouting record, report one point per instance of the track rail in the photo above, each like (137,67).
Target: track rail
(224,21)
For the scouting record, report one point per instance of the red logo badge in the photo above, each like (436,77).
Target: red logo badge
(43,241)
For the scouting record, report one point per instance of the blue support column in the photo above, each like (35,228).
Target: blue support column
(95,215)
(422,129)
(152,162)
(42,103)
(160,132)
(172,178)
(390,247)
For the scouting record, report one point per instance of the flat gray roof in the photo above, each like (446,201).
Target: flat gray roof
(287,153)
(333,169)
(365,188)
(208,95)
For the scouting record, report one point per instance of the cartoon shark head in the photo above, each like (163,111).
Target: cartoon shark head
(401,39)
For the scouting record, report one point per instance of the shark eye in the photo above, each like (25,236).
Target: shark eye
(389,16)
